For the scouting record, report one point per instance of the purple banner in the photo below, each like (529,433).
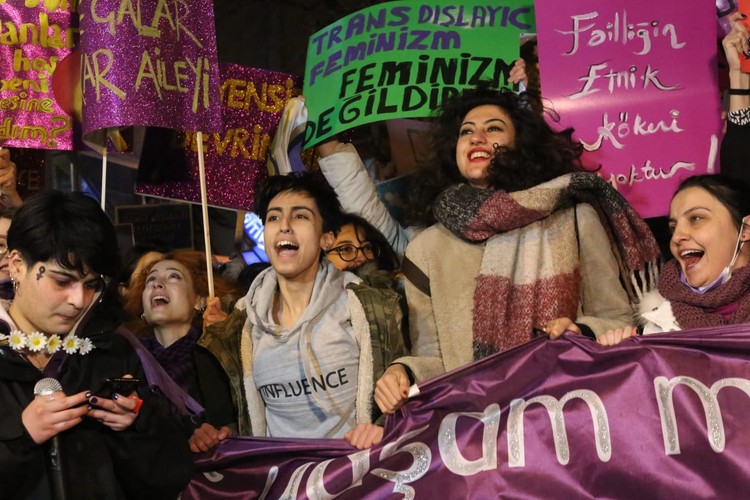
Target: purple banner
(662,416)
(35,104)
(149,63)
(638,82)
(252,102)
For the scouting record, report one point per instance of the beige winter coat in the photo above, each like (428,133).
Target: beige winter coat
(441,324)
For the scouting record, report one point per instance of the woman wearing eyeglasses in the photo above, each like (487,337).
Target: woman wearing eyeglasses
(360,248)
(6,287)
(358,242)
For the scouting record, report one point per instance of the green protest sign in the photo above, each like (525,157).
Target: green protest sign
(400,59)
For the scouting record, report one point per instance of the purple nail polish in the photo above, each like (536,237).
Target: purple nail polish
(93,400)
(116,397)
(88,395)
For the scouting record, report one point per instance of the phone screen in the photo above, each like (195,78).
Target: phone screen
(121,386)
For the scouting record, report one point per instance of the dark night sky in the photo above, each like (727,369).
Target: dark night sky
(273,34)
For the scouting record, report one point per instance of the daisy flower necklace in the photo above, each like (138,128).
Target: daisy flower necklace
(38,342)
(38,347)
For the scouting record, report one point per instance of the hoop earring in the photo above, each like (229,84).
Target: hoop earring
(143,316)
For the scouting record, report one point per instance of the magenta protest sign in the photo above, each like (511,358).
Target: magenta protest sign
(35,101)
(150,63)
(638,82)
(252,101)
(661,416)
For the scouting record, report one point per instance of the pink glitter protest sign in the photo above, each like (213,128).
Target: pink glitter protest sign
(35,98)
(638,82)
(252,101)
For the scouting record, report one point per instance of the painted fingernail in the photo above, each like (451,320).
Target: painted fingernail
(89,407)
(93,400)
(116,397)
(88,395)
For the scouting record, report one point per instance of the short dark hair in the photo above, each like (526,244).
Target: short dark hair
(733,193)
(69,228)
(307,183)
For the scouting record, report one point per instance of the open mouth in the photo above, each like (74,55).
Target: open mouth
(158,300)
(479,154)
(691,257)
(285,246)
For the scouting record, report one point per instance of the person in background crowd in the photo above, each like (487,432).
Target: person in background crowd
(735,161)
(519,239)
(9,196)
(358,242)
(249,273)
(708,281)
(168,294)
(312,339)
(363,250)
(135,259)
(62,250)
(6,287)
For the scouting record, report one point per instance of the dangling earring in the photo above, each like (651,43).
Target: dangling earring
(15,284)
(202,306)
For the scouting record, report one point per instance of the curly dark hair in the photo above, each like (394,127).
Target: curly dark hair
(538,155)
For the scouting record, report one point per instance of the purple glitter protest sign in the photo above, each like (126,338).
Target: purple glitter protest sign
(35,85)
(150,63)
(252,102)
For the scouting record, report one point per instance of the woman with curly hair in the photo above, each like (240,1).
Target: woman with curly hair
(520,238)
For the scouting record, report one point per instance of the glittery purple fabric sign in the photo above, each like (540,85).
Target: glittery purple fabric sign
(34,99)
(150,63)
(252,101)
(661,416)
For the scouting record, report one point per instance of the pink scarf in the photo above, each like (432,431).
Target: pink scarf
(694,310)
(530,271)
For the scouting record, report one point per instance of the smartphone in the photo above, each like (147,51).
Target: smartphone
(118,385)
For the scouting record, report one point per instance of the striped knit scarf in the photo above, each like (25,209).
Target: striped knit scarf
(530,270)
(694,310)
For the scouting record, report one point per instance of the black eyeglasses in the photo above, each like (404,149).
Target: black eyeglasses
(349,252)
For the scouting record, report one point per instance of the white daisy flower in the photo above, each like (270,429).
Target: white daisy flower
(54,344)
(17,340)
(36,341)
(86,346)
(71,343)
